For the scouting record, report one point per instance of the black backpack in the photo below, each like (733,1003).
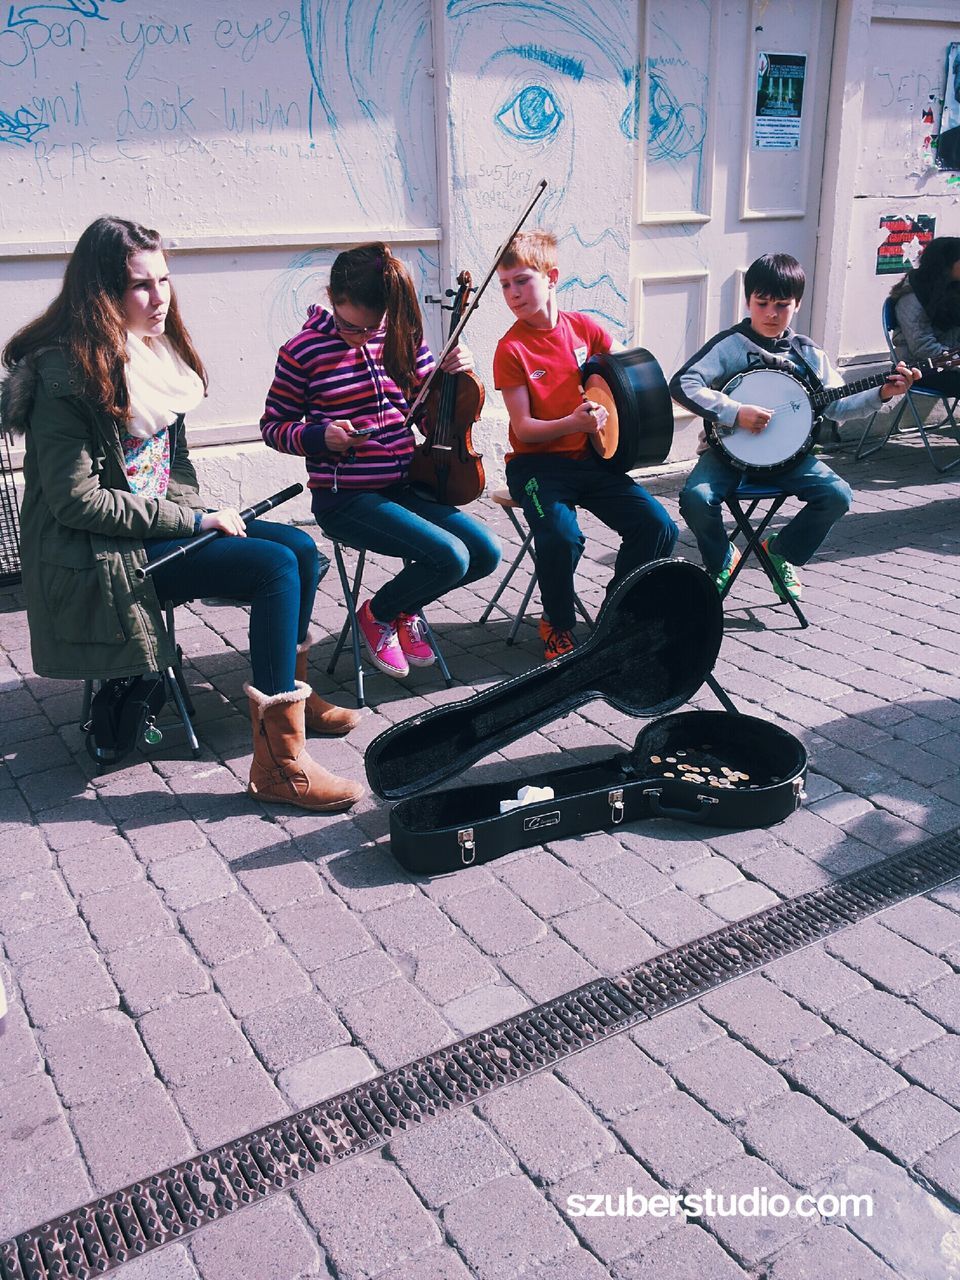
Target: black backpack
(120,712)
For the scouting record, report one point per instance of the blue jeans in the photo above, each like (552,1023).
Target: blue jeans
(550,488)
(275,569)
(826,497)
(445,547)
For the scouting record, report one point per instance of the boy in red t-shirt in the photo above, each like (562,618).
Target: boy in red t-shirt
(552,468)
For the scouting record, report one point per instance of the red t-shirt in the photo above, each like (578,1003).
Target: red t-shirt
(547,362)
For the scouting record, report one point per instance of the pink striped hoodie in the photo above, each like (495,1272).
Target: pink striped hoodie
(318,379)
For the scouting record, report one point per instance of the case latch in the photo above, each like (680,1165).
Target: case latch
(468,850)
(615,801)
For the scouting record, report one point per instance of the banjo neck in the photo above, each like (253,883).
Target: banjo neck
(820,399)
(828,395)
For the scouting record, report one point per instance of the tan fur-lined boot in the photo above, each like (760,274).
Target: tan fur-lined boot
(283,770)
(323,717)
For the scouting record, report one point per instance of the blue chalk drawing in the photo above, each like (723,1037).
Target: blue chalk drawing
(18,14)
(372,96)
(677,93)
(561,83)
(304,281)
(676,129)
(18,129)
(532,115)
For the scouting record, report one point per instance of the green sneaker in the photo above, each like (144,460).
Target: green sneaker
(732,560)
(787,572)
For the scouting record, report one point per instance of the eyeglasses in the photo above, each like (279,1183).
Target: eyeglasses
(354,330)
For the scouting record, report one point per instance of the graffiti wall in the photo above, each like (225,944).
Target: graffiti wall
(250,127)
(237,118)
(260,138)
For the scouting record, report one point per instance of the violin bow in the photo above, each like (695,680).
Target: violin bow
(455,332)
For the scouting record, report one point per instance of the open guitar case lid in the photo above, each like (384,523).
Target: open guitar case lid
(654,644)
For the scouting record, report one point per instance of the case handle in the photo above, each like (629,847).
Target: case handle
(685,815)
(468,848)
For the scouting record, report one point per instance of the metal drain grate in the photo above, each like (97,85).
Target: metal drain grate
(108,1232)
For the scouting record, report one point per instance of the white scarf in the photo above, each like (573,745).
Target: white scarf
(160,386)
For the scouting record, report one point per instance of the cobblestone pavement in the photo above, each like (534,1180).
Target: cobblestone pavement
(184,965)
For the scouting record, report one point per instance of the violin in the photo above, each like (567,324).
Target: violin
(457,326)
(446,466)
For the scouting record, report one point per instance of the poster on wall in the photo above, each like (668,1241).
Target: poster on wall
(776,124)
(903,242)
(948,140)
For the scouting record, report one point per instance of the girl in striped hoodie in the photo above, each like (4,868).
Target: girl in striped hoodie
(340,395)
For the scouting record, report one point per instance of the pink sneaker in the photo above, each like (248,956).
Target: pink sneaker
(382,643)
(413,641)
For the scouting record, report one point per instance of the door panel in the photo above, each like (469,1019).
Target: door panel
(713,193)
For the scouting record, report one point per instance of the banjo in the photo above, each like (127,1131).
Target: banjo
(791,432)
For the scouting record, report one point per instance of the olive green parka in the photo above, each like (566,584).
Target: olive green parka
(82,530)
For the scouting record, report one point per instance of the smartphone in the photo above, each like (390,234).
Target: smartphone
(363,431)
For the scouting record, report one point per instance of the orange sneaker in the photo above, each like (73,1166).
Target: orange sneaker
(555,642)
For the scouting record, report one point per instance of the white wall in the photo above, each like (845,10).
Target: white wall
(889,69)
(261,138)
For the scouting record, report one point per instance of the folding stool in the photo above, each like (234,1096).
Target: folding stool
(351,594)
(502,498)
(753,494)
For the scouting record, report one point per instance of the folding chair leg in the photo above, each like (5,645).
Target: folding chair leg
(86,704)
(441,661)
(521,612)
(350,595)
(526,548)
(175,691)
(861,452)
(581,609)
(752,535)
(754,538)
(921,427)
(515,565)
(178,669)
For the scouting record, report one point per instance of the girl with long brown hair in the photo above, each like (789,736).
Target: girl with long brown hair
(340,398)
(99,384)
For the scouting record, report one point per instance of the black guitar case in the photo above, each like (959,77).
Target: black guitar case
(655,643)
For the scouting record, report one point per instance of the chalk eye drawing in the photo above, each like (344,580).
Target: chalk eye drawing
(558,82)
(676,129)
(532,115)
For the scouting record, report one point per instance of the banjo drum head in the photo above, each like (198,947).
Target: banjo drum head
(788,434)
(639,432)
(608,437)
